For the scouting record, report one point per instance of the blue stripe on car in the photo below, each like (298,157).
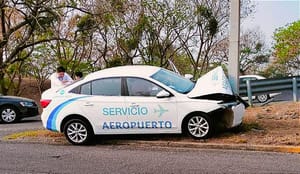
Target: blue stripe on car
(51,122)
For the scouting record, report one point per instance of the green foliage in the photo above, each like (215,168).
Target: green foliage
(98,34)
(181,63)
(287,42)
(29,23)
(119,5)
(66,64)
(85,23)
(253,52)
(107,19)
(5,89)
(207,19)
(275,71)
(203,11)
(212,26)
(287,47)
(116,61)
(47,21)
(73,3)
(13,79)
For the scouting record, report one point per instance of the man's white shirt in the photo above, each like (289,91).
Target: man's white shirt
(58,83)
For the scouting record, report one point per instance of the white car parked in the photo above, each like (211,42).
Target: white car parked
(260,98)
(141,99)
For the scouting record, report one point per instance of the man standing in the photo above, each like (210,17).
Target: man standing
(60,78)
(78,75)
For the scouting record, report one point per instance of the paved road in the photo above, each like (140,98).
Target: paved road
(30,123)
(24,158)
(41,158)
(286,96)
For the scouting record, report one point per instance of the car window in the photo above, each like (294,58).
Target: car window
(142,87)
(86,89)
(107,87)
(82,89)
(174,81)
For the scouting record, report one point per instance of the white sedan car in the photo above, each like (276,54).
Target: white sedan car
(141,99)
(260,98)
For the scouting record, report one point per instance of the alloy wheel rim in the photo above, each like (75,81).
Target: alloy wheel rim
(77,132)
(198,126)
(262,98)
(8,115)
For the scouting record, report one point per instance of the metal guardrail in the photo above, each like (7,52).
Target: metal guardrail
(267,86)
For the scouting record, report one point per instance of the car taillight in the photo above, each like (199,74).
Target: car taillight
(45,103)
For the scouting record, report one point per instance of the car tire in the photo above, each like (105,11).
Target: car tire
(199,126)
(78,132)
(9,114)
(262,98)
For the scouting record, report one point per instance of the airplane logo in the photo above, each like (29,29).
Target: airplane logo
(161,111)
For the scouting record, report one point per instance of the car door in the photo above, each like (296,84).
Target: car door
(103,107)
(147,113)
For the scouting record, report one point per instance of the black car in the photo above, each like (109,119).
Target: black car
(12,108)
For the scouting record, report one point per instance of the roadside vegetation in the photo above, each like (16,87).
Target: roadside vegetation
(38,35)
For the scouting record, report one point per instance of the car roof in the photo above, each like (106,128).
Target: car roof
(256,76)
(127,70)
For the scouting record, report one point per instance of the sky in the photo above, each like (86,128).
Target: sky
(272,14)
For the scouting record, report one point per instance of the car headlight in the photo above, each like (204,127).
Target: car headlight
(229,105)
(26,104)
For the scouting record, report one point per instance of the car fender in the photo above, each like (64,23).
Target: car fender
(57,110)
(194,106)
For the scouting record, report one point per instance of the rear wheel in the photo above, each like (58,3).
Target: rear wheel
(262,98)
(78,132)
(9,114)
(199,126)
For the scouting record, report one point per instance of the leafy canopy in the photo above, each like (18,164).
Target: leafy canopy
(287,43)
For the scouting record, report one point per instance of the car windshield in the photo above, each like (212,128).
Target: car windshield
(174,81)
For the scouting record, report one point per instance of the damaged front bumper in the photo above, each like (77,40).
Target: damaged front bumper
(231,112)
(233,116)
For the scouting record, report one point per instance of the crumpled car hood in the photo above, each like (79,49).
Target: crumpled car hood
(213,84)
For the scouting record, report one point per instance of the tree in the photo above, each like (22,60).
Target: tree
(254,53)
(287,46)
(206,26)
(21,25)
(40,70)
(160,41)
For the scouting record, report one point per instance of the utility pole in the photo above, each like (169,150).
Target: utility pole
(234,42)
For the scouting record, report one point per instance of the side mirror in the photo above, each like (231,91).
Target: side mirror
(188,76)
(163,94)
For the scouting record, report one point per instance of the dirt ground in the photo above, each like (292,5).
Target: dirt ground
(272,124)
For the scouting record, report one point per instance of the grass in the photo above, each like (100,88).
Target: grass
(32,134)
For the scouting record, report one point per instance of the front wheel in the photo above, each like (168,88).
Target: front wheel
(199,126)
(78,132)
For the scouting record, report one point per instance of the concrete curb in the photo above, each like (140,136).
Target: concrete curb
(250,147)
(176,144)
(170,143)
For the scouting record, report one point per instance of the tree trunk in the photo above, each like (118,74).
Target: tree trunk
(3,89)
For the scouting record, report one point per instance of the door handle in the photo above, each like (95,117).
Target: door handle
(88,104)
(134,105)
